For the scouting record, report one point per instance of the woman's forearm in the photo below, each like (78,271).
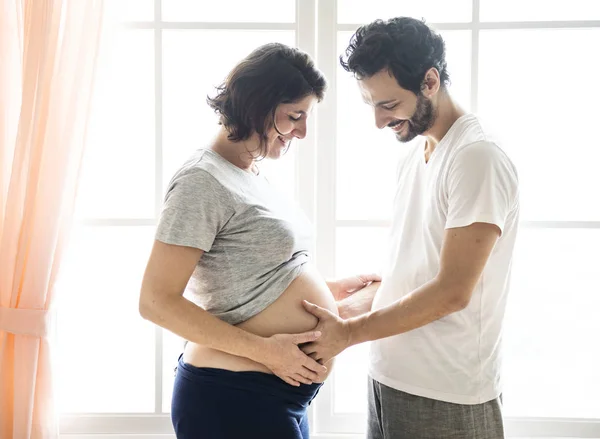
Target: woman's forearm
(359,303)
(189,321)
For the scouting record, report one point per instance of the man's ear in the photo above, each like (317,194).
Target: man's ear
(431,82)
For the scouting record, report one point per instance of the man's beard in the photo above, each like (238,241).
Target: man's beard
(422,120)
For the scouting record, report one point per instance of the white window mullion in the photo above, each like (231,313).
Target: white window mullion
(325,419)
(326,139)
(306,153)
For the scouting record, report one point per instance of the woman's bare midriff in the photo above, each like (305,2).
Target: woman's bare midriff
(284,316)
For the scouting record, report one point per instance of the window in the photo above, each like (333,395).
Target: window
(527,69)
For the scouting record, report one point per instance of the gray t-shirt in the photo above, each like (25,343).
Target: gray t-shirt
(255,240)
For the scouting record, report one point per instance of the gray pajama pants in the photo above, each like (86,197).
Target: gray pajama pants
(398,415)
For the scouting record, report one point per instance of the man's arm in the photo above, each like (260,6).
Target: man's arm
(465,252)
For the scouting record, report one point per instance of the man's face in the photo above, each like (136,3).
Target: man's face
(407,114)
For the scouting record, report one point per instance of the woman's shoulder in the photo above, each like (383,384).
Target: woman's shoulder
(200,176)
(203,168)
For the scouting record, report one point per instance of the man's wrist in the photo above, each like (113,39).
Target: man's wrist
(357,328)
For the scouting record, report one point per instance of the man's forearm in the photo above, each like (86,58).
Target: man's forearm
(359,303)
(426,304)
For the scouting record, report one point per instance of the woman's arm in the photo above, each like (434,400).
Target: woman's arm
(161,301)
(343,288)
(359,303)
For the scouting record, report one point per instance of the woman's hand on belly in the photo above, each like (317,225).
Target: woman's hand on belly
(285,359)
(279,325)
(346,287)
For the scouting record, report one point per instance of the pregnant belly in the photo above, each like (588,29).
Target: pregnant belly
(284,316)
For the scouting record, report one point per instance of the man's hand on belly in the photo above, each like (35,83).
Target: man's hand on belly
(343,288)
(335,334)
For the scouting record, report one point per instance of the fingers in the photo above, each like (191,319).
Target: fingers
(372,277)
(306,337)
(301,379)
(308,348)
(310,375)
(315,356)
(311,364)
(291,381)
(315,310)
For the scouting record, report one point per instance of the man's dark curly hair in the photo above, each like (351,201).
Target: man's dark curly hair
(272,74)
(408,48)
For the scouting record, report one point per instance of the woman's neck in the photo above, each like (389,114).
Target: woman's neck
(238,153)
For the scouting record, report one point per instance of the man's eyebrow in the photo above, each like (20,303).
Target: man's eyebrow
(378,104)
(381,103)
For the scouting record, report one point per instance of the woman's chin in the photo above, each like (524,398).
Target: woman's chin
(276,151)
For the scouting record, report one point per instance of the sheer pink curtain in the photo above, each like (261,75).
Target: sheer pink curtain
(47,59)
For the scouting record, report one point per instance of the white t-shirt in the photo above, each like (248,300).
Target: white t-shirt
(468,179)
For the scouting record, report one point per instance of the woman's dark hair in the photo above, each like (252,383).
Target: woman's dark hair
(408,48)
(272,74)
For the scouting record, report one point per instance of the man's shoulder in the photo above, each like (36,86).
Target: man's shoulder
(466,130)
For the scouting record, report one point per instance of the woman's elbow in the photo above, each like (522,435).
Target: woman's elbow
(147,305)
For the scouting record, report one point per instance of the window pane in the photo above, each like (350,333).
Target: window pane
(539,10)
(188,122)
(367,157)
(528,101)
(270,11)
(350,380)
(117,178)
(105,351)
(434,11)
(172,348)
(130,10)
(552,354)
(359,250)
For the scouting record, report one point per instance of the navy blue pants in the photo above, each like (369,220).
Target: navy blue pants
(221,404)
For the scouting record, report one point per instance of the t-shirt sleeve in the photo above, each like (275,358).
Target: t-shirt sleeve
(195,210)
(482,186)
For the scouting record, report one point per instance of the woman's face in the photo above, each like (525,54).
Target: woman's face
(290,122)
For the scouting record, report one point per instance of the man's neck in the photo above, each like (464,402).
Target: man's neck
(447,112)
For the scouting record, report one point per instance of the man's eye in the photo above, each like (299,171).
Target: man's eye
(391,107)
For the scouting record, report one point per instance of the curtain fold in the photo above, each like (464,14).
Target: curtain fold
(48,51)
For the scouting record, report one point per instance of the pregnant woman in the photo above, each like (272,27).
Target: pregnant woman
(231,264)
